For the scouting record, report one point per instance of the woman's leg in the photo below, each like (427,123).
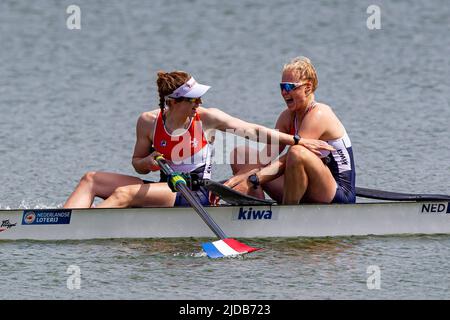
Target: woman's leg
(97,184)
(243,160)
(307,178)
(274,189)
(140,195)
(240,158)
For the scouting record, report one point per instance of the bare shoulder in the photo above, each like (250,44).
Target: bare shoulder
(323,116)
(322,109)
(211,117)
(148,118)
(321,113)
(146,122)
(209,112)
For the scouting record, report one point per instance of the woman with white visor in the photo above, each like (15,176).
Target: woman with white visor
(182,131)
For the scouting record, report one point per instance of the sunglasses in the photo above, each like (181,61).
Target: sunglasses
(290,86)
(191,100)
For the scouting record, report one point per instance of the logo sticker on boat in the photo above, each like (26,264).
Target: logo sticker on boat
(6,224)
(48,216)
(436,208)
(249,213)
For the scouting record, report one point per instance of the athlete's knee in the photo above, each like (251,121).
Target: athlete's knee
(124,195)
(298,155)
(88,177)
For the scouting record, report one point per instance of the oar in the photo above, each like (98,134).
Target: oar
(217,249)
(233,197)
(397,196)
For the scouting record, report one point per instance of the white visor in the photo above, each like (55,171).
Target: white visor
(191,89)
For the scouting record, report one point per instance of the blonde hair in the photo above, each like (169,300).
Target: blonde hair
(303,69)
(168,82)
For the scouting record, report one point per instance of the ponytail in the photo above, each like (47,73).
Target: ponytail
(168,82)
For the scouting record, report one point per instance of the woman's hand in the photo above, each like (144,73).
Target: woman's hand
(315,146)
(243,186)
(213,199)
(239,179)
(238,182)
(151,162)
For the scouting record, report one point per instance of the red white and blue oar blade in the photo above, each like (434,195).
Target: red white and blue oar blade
(226,248)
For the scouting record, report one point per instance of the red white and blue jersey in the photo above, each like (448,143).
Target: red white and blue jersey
(187,150)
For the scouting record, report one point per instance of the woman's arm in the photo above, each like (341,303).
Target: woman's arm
(143,161)
(272,171)
(265,174)
(217,119)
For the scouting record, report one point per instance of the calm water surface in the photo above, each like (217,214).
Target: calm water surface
(69,101)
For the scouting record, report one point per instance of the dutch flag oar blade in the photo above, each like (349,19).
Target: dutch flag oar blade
(217,249)
(226,248)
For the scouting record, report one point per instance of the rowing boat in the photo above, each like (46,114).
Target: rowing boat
(243,221)
(241,216)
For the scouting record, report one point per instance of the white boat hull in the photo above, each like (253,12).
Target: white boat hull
(384,218)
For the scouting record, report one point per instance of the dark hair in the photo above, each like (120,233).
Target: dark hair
(168,82)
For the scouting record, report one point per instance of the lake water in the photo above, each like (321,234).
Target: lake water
(69,101)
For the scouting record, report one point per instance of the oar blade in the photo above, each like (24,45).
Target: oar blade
(226,248)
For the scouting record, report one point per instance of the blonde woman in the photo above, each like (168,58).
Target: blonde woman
(301,175)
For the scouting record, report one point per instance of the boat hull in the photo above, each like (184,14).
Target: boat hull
(384,218)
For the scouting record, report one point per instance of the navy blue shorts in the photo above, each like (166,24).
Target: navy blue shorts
(201,195)
(344,195)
